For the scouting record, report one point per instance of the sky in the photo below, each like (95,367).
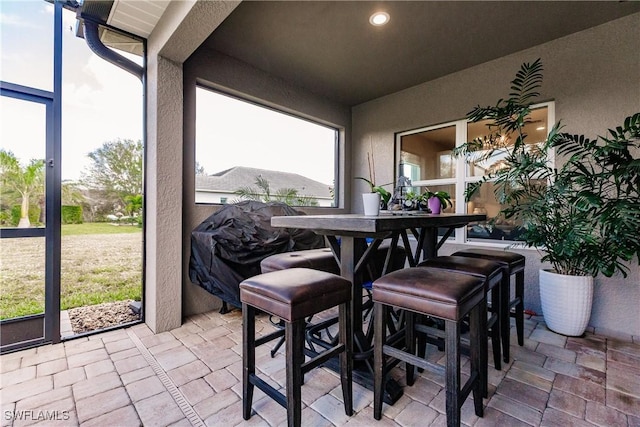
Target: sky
(261,138)
(102,102)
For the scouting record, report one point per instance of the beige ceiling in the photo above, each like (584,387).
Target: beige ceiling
(137,17)
(331,49)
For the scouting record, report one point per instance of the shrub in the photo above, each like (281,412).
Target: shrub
(34,214)
(71,214)
(5,217)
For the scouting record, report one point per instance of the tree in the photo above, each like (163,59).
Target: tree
(23,181)
(200,169)
(116,169)
(134,204)
(71,194)
(263,193)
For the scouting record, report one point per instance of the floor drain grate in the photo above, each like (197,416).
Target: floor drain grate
(179,398)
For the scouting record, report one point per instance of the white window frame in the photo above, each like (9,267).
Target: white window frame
(461,180)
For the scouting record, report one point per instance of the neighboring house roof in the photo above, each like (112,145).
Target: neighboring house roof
(238,177)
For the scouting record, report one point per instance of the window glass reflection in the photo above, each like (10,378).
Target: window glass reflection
(428,155)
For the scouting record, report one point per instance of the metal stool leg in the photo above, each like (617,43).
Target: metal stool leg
(248,358)
(380,336)
(294,342)
(497,307)
(346,360)
(476,335)
(483,347)
(520,307)
(410,344)
(504,321)
(452,373)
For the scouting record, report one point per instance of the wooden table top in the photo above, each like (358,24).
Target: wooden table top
(384,222)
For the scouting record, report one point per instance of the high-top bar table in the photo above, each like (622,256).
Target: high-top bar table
(347,234)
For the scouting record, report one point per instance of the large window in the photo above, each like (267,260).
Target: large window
(425,156)
(247,151)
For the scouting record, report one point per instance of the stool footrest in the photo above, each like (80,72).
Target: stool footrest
(468,386)
(269,337)
(395,338)
(321,358)
(412,359)
(430,330)
(269,390)
(492,320)
(513,304)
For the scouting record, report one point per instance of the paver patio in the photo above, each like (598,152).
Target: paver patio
(192,376)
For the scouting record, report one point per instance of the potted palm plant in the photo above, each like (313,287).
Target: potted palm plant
(583,216)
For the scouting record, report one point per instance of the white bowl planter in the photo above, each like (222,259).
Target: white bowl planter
(566,302)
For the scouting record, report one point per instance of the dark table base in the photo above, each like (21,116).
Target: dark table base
(361,375)
(362,361)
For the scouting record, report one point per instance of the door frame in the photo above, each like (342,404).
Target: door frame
(38,329)
(53,195)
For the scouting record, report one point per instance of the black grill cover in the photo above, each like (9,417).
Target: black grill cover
(227,247)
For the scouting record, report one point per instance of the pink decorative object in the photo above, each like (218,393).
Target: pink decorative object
(434,205)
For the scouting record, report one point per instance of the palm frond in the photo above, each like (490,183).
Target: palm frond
(527,82)
(584,215)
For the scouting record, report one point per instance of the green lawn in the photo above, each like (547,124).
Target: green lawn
(98,228)
(99,263)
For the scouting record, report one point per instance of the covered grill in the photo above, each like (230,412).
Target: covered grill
(227,247)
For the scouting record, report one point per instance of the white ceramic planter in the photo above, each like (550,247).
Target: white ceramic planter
(566,302)
(371,203)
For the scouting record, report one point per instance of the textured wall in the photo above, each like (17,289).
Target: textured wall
(171,42)
(593,78)
(163,195)
(235,77)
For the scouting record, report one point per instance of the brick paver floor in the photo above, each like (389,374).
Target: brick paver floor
(192,376)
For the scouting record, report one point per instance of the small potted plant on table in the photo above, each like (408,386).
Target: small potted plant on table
(378,198)
(437,200)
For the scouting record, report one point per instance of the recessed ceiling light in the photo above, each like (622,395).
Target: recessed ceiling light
(379,18)
(540,128)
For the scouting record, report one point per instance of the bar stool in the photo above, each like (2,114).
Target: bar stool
(292,295)
(317,259)
(513,264)
(491,273)
(442,295)
(323,259)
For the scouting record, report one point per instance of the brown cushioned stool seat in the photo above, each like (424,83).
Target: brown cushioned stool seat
(324,260)
(317,259)
(513,264)
(440,294)
(292,295)
(491,273)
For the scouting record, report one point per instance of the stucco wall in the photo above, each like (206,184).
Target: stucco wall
(593,78)
(232,76)
(179,32)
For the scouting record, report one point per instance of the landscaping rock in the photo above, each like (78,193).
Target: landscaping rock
(94,317)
